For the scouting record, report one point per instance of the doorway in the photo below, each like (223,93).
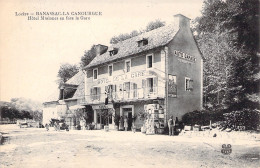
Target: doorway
(127,111)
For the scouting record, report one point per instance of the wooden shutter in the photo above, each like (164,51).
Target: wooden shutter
(191,84)
(91,93)
(155,82)
(98,93)
(131,86)
(144,83)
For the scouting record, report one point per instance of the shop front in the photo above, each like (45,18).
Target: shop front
(103,115)
(148,116)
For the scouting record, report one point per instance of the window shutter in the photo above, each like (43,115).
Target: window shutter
(155,83)
(191,84)
(144,83)
(98,92)
(91,93)
(131,86)
(120,87)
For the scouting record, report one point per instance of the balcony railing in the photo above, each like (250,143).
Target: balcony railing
(119,96)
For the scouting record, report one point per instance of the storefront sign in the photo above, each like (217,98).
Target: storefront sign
(130,76)
(172,86)
(184,56)
(126,76)
(102,107)
(102,81)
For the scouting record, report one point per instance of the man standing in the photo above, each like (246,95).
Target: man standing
(170,125)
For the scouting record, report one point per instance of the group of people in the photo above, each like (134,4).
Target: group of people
(173,125)
(123,123)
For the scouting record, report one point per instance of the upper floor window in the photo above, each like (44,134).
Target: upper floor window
(95,93)
(142,42)
(128,65)
(188,84)
(110,70)
(95,74)
(149,61)
(114,51)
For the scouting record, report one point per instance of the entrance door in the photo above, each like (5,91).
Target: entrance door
(128,113)
(130,120)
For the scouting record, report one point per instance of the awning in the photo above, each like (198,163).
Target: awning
(75,107)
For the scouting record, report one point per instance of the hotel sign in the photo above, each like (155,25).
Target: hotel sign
(129,76)
(124,77)
(184,56)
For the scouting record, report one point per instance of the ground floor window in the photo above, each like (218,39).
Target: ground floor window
(104,117)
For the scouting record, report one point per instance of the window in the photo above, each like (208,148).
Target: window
(188,84)
(150,84)
(142,42)
(95,93)
(95,74)
(110,70)
(149,61)
(114,51)
(127,65)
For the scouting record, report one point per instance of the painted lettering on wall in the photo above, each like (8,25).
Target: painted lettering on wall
(126,76)
(184,56)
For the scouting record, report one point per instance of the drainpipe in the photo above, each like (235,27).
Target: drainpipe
(166,113)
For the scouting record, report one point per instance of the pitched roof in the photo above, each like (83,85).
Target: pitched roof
(156,38)
(80,91)
(77,79)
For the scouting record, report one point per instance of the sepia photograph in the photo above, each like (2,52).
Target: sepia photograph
(129,84)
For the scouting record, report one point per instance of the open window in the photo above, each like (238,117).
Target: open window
(113,51)
(142,42)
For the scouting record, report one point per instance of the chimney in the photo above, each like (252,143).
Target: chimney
(181,21)
(100,49)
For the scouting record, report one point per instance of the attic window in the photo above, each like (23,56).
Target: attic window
(114,51)
(142,42)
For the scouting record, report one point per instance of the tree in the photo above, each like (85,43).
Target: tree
(150,26)
(66,71)
(154,25)
(227,34)
(88,56)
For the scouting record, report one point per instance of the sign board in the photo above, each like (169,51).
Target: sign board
(172,86)
(98,107)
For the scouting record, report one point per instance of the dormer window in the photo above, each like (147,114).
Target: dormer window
(142,42)
(114,51)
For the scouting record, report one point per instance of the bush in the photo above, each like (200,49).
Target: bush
(202,117)
(245,117)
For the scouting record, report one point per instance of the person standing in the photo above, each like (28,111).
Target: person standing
(170,125)
(47,126)
(126,123)
(121,123)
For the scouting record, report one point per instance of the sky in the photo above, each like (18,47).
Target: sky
(31,51)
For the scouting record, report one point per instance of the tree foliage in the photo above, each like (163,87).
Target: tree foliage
(227,34)
(150,26)
(66,71)
(20,108)
(88,56)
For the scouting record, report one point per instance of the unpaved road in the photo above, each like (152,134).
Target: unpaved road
(31,147)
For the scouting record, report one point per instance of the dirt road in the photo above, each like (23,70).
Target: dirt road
(31,147)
